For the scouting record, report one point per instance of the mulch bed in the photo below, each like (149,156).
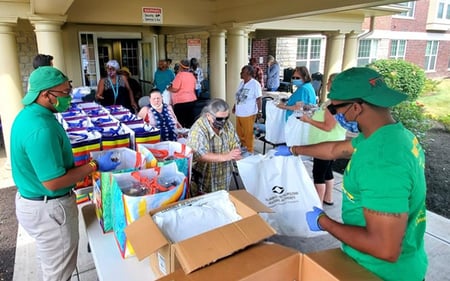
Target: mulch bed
(8,233)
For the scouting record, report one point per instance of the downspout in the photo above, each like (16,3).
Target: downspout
(369,32)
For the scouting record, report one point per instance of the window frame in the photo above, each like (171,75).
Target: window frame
(373,50)
(397,48)
(431,53)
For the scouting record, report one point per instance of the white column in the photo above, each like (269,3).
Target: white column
(217,67)
(10,81)
(49,39)
(350,50)
(333,57)
(236,59)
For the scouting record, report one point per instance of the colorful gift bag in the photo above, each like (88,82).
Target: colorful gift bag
(83,143)
(166,152)
(74,124)
(138,192)
(143,133)
(130,160)
(114,136)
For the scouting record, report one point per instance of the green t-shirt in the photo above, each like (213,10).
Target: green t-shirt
(40,151)
(386,174)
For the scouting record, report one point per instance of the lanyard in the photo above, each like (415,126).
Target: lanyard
(115,88)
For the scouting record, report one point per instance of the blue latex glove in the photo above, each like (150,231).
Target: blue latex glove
(283,150)
(105,163)
(312,217)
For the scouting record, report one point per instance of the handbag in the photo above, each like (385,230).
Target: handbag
(282,184)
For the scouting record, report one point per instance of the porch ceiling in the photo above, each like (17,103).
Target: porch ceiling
(195,14)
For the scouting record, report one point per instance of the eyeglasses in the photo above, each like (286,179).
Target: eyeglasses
(221,119)
(60,92)
(332,108)
(296,78)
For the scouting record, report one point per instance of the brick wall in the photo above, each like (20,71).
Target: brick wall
(177,48)
(26,50)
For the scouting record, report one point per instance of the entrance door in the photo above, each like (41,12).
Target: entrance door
(147,67)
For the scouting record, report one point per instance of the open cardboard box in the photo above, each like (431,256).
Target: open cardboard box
(198,251)
(273,262)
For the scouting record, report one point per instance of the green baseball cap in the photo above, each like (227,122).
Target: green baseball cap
(366,84)
(43,78)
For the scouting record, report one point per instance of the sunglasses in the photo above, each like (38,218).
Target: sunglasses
(332,108)
(296,78)
(221,119)
(59,92)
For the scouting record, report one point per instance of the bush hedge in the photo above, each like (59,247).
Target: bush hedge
(410,79)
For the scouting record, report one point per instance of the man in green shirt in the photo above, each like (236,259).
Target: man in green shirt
(384,189)
(44,172)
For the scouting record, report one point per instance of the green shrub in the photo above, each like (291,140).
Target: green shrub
(410,79)
(401,75)
(411,114)
(430,87)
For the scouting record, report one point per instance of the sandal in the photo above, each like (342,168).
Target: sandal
(328,203)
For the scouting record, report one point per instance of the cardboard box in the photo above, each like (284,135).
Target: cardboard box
(195,252)
(273,262)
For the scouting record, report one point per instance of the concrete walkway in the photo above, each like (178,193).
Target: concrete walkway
(437,240)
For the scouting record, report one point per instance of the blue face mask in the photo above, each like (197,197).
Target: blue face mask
(298,82)
(351,126)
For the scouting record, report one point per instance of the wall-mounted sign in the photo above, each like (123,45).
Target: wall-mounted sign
(194,48)
(152,15)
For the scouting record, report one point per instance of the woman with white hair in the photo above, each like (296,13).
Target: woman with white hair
(114,88)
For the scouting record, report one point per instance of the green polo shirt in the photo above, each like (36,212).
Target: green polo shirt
(40,151)
(386,174)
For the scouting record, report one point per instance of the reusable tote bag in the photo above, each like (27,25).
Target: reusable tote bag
(134,195)
(282,184)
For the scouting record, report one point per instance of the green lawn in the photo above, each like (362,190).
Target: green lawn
(437,104)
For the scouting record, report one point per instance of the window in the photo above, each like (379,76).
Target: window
(411,7)
(367,51)
(130,55)
(443,11)
(308,53)
(88,61)
(431,55)
(398,49)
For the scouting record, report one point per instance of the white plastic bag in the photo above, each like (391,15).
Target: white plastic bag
(275,123)
(296,131)
(167,97)
(282,184)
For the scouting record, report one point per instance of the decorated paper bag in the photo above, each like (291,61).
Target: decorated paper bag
(130,160)
(136,193)
(282,184)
